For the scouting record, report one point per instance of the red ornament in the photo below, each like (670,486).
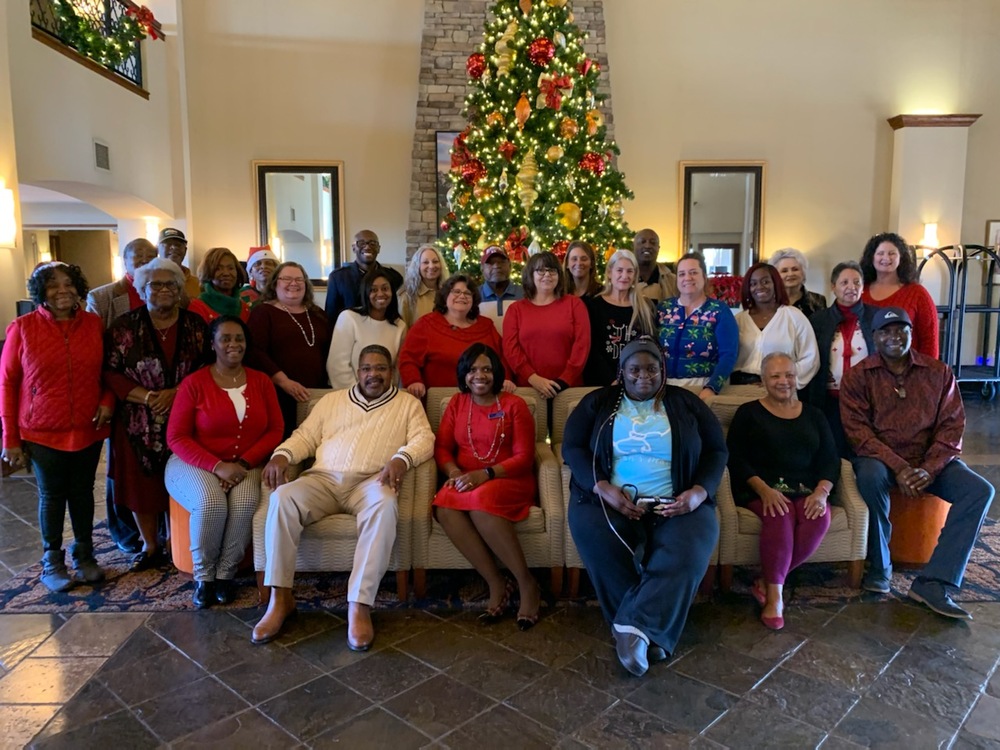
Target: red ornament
(559,249)
(507,150)
(472,171)
(593,163)
(444,226)
(541,51)
(584,67)
(475,66)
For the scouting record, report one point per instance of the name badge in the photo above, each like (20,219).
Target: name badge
(496,414)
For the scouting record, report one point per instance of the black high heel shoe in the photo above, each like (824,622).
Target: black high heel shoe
(527,622)
(494,614)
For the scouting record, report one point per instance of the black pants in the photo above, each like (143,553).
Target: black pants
(675,555)
(65,479)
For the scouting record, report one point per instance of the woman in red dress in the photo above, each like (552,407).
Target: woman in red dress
(486,447)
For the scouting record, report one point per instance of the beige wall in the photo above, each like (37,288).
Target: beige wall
(301,80)
(808,87)
(12,272)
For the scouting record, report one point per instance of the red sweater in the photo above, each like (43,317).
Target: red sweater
(203,428)
(920,307)
(551,340)
(432,347)
(50,381)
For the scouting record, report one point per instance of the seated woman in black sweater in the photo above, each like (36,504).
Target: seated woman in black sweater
(782,465)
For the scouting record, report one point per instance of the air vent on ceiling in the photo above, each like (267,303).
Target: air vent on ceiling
(102,156)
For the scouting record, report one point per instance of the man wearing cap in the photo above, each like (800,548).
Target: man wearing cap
(174,246)
(259,267)
(903,416)
(656,281)
(497,291)
(343,290)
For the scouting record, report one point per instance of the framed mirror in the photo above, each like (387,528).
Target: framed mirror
(300,213)
(722,210)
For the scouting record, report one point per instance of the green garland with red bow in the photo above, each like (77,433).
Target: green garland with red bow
(109,47)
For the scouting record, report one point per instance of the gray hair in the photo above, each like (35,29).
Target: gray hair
(144,274)
(775,355)
(790,252)
(847,265)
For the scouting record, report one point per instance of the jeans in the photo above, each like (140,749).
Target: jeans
(969,494)
(66,479)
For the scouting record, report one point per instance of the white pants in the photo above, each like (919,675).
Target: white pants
(314,496)
(220,521)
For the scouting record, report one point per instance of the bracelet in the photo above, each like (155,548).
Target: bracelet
(148,394)
(490,473)
(242,462)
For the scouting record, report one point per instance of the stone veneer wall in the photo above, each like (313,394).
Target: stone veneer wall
(453,30)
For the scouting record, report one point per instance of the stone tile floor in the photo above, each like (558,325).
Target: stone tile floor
(870,673)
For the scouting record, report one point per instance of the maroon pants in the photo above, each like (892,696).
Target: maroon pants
(787,541)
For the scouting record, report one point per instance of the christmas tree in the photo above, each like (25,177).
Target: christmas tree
(533,169)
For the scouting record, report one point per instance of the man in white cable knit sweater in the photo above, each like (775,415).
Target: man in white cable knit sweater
(364,439)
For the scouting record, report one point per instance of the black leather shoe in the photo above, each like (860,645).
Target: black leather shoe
(632,652)
(934,595)
(225,591)
(655,654)
(130,548)
(204,594)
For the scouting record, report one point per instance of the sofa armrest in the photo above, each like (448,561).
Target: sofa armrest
(729,523)
(848,496)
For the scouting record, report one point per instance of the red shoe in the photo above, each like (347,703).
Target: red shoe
(758,592)
(773,623)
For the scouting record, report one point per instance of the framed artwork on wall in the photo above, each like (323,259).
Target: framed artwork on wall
(444,141)
(992,233)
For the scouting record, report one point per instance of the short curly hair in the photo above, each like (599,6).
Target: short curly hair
(441,296)
(907,269)
(46,272)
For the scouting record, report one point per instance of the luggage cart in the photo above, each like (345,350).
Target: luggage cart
(959,310)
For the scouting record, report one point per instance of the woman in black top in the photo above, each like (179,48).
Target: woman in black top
(782,465)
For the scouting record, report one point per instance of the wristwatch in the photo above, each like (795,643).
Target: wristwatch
(490,473)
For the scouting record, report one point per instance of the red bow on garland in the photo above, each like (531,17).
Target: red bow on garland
(144,17)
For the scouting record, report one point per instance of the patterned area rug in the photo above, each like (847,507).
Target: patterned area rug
(166,589)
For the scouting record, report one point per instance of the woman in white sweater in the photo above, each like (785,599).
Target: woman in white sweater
(769,324)
(375,321)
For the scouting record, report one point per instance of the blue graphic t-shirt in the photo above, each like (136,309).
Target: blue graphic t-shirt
(642,449)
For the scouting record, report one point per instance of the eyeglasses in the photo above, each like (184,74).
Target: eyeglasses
(460,293)
(366,243)
(547,271)
(291,280)
(162,286)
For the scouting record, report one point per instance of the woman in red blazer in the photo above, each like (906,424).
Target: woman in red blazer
(55,413)
(224,424)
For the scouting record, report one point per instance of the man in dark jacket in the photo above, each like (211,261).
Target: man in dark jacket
(343,290)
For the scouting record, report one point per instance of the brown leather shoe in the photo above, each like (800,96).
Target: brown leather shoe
(360,631)
(279,609)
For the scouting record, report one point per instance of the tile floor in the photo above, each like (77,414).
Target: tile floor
(870,673)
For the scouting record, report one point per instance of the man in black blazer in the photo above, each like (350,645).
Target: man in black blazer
(343,290)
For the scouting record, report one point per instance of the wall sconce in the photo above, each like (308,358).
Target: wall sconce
(153,230)
(277,248)
(8,223)
(930,238)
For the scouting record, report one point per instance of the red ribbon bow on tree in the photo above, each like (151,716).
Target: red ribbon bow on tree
(551,90)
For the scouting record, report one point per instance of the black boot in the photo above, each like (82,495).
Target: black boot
(54,574)
(204,594)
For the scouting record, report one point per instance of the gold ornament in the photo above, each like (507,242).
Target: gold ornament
(526,181)
(464,198)
(481,242)
(522,111)
(505,55)
(481,191)
(525,6)
(559,38)
(618,210)
(608,253)
(570,17)
(568,128)
(476,221)
(555,3)
(554,154)
(594,121)
(569,215)
(494,119)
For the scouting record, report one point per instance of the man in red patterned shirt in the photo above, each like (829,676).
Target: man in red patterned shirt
(904,417)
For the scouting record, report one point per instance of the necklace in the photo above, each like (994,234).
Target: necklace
(899,388)
(312,331)
(498,435)
(163,332)
(234,378)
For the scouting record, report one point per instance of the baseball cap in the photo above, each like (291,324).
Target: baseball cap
(172,234)
(889,315)
(491,251)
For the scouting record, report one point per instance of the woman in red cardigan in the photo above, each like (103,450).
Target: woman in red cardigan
(890,271)
(223,427)
(431,349)
(547,334)
(56,412)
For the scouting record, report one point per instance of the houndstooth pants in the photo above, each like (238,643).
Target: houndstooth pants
(220,522)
